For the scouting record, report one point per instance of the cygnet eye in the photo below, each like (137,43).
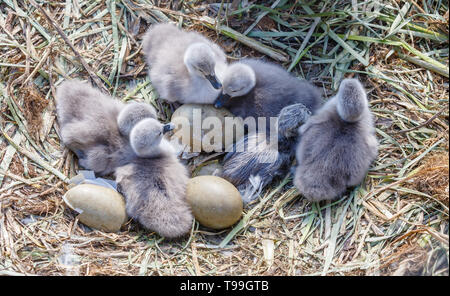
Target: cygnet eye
(236,90)
(199,70)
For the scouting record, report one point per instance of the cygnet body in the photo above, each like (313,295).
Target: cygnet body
(257,88)
(337,145)
(266,159)
(154,183)
(109,136)
(254,88)
(183,66)
(88,126)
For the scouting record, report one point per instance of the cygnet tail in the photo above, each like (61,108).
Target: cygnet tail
(69,97)
(156,35)
(351,100)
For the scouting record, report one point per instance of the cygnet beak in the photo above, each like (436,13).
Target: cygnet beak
(214,82)
(168,127)
(221,100)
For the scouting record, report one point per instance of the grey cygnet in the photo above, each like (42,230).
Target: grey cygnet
(257,88)
(268,159)
(109,136)
(88,126)
(254,88)
(184,66)
(337,145)
(154,183)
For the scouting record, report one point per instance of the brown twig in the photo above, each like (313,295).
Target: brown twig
(422,124)
(91,73)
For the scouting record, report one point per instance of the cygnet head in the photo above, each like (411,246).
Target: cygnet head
(199,59)
(351,100)
(146,136)
(132,114)
(291,118)
(239,80)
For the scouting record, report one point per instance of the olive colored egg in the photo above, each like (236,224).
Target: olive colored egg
(99,207)
(206,128)
(215,202)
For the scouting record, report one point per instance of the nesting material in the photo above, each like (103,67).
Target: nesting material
(401,92)
(268,247)
(215,202)
(99,207)
(204,128)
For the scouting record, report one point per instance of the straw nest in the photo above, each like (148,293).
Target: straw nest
(396,222)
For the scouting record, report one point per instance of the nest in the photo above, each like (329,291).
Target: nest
(396,222)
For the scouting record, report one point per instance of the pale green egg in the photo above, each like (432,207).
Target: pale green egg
(215,202)
(98,207)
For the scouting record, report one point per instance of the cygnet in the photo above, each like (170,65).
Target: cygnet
(337,145)
(184,67)
(262,160)
(95,126)
(257,88)
(154,184)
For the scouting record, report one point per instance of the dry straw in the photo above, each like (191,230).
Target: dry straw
(396,222)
